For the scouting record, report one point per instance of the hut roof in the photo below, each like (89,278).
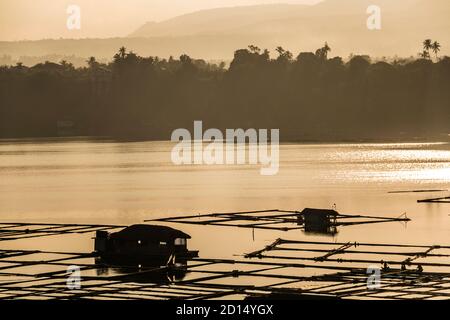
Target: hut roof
(328,212)
(149,232)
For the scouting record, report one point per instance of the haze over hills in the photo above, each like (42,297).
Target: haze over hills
(216,33)
(236,20)
(219,21)
(341,22)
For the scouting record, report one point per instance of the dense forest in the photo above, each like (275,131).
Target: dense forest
(310,97)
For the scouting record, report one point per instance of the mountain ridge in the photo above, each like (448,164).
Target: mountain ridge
(215,34)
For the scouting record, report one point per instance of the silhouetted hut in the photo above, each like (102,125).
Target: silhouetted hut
(319,220)
(143,242)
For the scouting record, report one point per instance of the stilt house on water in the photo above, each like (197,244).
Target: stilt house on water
(143,243)
(319,220)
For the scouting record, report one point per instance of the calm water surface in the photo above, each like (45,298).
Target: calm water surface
(82,181)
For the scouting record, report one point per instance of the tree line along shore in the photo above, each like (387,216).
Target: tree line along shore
(309,97)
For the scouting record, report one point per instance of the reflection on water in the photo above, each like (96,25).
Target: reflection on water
(127,182)
(141,273)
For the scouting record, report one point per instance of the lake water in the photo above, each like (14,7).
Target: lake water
(109,182)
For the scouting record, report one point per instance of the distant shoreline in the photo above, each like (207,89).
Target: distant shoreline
(284,142)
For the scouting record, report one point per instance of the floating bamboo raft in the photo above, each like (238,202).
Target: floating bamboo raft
(19,230)
(419,191)
(435,200)
(230,278)
(327,251)
(293,268)
(280,220)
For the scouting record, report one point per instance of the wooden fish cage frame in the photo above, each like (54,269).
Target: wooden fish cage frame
(435,200)
(295,268)
(292,250)
(286,274)
(215,280)
(276,219)
(25,230)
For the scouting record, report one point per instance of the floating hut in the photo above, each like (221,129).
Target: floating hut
(319,220)
(142,243)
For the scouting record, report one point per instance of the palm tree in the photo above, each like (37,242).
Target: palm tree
(322,53)
(92,63)
(424,54)
(436,47)
(427,45)
(66,65)
(123,52)
(326,48)
(280,50)
(121,55)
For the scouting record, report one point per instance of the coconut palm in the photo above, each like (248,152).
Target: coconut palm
(92,62)
(121,55)
(280,50)
(122,52)
(424,54)
(326,48)
(322,53)
(436,47)
(427,45)
(66,65)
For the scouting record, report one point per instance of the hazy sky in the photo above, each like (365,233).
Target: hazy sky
(37,19)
